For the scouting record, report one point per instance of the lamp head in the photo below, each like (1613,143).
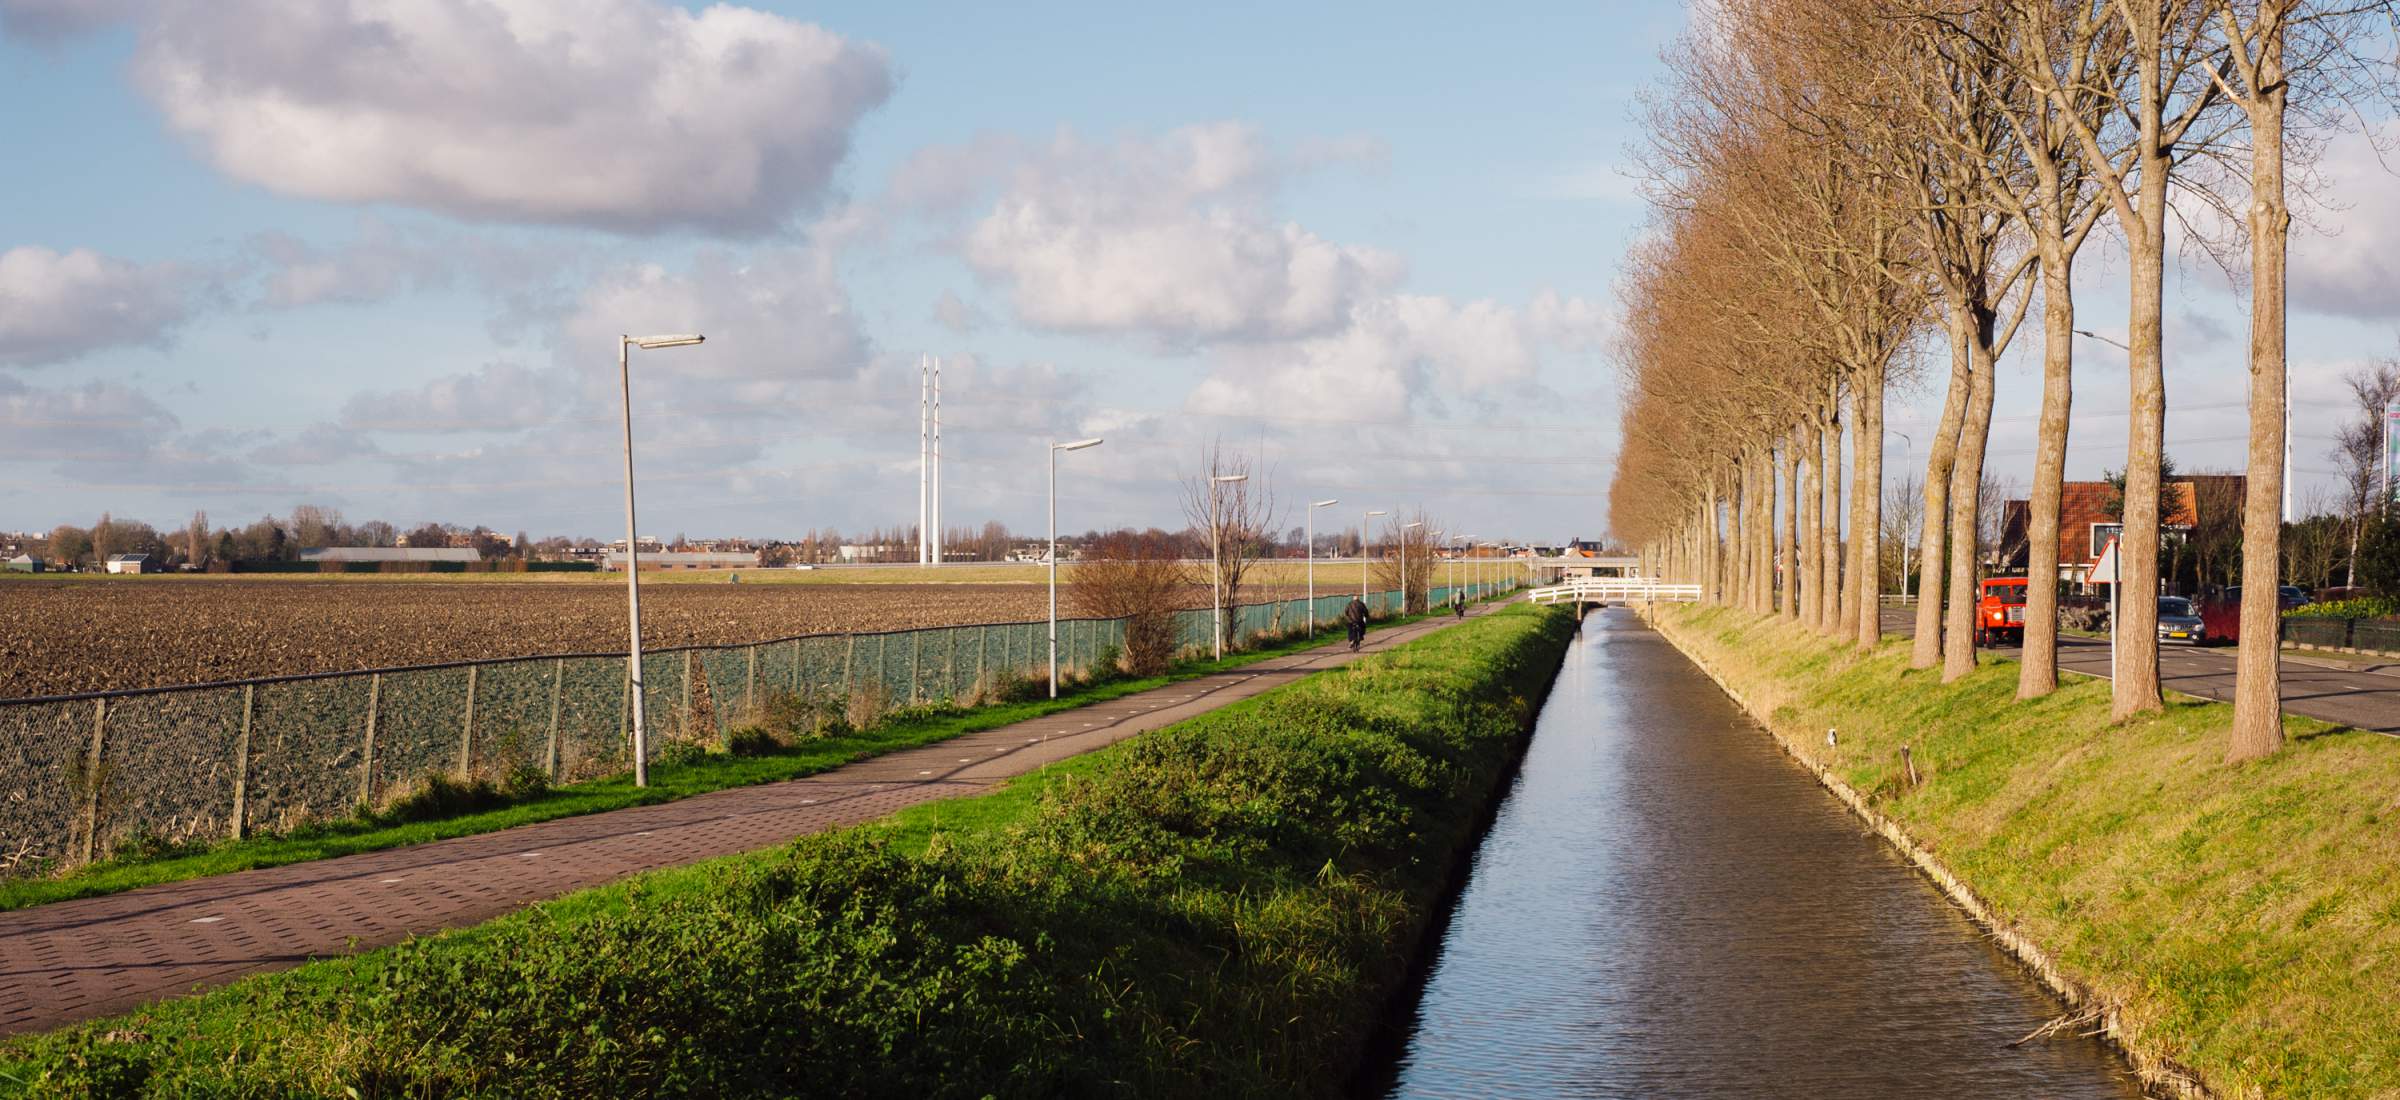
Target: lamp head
(676,340)
(1379,512)
(1406,526)
(1227,478)
(1075,446)
(1323,503)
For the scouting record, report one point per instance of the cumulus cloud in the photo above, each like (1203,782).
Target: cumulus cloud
(2349,269)
(1170,237)
(1400,352)
(493,397)
(778,323)
(629,115)
(55,306)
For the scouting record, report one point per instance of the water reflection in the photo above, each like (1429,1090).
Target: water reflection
(1666,907)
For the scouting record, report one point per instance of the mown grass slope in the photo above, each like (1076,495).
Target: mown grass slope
(1221,908)
(2244,920)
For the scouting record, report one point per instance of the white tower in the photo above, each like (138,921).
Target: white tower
(937,461)
(924,455)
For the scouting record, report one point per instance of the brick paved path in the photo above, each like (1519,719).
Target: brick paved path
(74,960)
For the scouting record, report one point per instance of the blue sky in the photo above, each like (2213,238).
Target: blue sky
(374,258)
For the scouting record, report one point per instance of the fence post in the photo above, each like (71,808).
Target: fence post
(466,729)
(750,689)
(916,665)
(241,765)
(983,645)
(688,716)
(91,775)
(558,683)
(366,781)
(849,650)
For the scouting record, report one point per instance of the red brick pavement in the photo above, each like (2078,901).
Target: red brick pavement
(74,960)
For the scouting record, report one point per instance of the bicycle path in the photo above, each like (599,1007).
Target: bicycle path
(75,960)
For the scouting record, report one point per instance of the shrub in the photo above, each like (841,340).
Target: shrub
(1138,577)
(2364,607)
(440,794)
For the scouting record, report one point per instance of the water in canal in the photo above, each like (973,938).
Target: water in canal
(1666,906)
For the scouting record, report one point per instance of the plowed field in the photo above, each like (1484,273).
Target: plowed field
(61,637)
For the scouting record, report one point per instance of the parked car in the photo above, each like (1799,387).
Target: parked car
(2221,614)
(2179,620)
(2000,611)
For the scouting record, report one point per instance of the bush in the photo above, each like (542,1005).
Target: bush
(2364,607)
(752,741)
(1138,577)
(1220,908)
(440,794)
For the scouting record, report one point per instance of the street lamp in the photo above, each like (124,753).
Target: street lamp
(633,564)
(1054,449)
(1362,552)
(1216,560)
(1403,540)
(1312,562)
(1434,538)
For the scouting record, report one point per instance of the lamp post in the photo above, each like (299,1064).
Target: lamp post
(1404,529)
(1312,562)
(1216,560)
(1054,449)
(633,549)
(1362,552)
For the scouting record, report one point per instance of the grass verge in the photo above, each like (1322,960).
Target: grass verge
(1221,907)
(669,781)
(2242,922)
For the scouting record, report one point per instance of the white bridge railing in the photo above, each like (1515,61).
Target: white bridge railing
(1615,590)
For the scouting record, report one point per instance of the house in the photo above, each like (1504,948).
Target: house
(2085,525)
(687,559)
(423,554)
(130,563)
(27,563)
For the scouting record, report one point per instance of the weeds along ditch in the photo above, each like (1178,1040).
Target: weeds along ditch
(1221,907)
(2237,926)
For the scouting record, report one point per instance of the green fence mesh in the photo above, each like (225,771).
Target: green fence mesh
(91,775)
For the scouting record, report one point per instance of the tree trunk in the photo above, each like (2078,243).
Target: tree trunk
(1933,541)
(1829,516)
(1787,535)
(2037,673)
(2258,676)
(1866,504)
(1966,476)
(2133,687)
(1811,575)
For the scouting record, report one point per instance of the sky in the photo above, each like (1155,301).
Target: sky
(376,255)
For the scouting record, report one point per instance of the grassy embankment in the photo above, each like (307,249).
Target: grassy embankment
(1222,907)
(2242,923)
(451,812)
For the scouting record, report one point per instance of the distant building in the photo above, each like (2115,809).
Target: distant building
(27,563)
(687,559)
(130,563)
(391,553)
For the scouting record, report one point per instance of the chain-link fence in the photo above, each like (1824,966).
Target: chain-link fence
(92,774)
(2376,635)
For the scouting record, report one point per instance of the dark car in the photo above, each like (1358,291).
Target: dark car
(2179,621)
(2221,614)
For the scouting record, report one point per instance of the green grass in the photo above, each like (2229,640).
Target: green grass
(1222,907)
(668,782)
(2245,919)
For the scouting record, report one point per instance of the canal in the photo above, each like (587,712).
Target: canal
(1666,906)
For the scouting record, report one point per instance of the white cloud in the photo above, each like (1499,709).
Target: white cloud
(2350,271)
(778,322)
(628,115)
(58,305)
(493,397)
(1400,353)
(1169,237)
(958,315)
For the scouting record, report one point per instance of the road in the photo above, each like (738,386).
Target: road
(2359,698)
(75,960)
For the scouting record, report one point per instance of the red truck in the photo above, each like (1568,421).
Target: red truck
(2000,611)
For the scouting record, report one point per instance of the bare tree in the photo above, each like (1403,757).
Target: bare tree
(1138,577)
(1233,507)
(1411,539)
(195,540)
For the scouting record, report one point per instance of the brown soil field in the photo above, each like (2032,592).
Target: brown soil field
(68,636)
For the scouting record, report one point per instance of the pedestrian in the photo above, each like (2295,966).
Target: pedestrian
(1354,619)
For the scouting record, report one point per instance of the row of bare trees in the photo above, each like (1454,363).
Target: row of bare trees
(1844,190)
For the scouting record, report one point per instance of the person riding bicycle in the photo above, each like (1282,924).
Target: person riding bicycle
(1354,618)
(1458,604)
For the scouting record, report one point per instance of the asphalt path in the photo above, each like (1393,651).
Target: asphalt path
(2367,699)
